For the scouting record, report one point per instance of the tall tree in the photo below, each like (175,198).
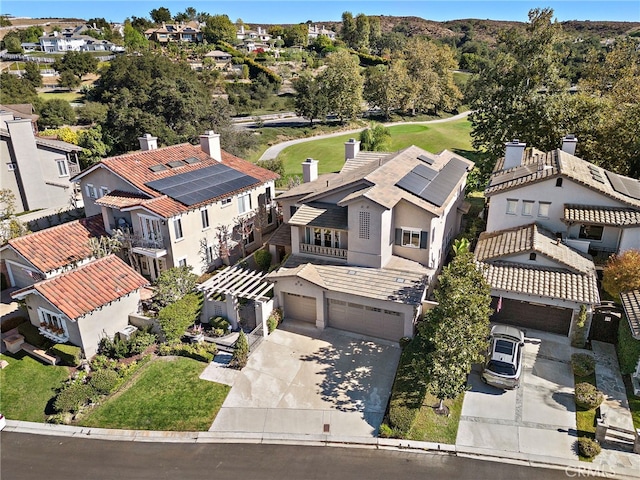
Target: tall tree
(385,86)
(348,31)
(456,329)
(78,63)
(219,29)
(160,15)
(32,74)
(93,147)
(343,83)
(134,41)
(622,273)
(311,99)
(508,97)
(55,113)
(362,33)
(296,35)
(14,90)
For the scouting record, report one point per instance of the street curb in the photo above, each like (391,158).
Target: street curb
(571,467)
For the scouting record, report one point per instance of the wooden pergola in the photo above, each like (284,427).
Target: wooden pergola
(238,282)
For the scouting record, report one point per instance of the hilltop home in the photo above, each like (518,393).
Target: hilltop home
(169,33)
(63,311)
(366,243)
(37,170)
(182,204)
(591,209)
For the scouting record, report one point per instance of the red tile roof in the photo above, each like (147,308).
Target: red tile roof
(135,167)
(120,199)
(93,285)
(61,245)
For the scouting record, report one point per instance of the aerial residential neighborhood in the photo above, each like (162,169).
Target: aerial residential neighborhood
(370,237)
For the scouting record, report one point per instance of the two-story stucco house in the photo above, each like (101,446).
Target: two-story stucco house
(549,214)
(37,170)
(366,243)
(177,203)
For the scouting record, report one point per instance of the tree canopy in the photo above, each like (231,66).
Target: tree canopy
(219,28)
(622,273)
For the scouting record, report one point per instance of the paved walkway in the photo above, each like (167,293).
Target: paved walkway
(274,150)
(615,405)
(9,308)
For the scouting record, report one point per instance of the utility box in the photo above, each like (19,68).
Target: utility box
(127,332)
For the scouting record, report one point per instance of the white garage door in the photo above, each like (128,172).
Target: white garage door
(299,307)
(366,320)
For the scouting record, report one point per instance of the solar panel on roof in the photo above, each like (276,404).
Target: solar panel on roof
(425,159)
(197,186)
(157,168)
(431,185)
(624,185)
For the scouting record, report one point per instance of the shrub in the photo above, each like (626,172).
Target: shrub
(203,352)
(587,396)
(385,431)
(628,349)
(70,355)
(275,165)
(579,333)
(588,447)
(582,364)
(219,326)
(100,362)
(12,323)
(174,319)
(274,320)
(404,341)
(240,352)
(104,381)
(72,398)
(115,348)
(402,418)
(31,334)
(140,341)
(263,259)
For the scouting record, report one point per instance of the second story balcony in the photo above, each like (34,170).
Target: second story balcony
(323,251)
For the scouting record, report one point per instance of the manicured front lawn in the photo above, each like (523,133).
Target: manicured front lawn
(431,427)
(164,395)
(27,385)
(454,135)
(61,95)
(586,419)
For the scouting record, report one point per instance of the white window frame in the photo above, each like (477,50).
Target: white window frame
(91,191)
(55,319)
(177,229)
(412,233)
(512,206)
(527,208)
(209,254)
(63,170)
(225,202)
(150,227)
(181,262)
(204,218)
(543,209)
(104,191)
(244,200)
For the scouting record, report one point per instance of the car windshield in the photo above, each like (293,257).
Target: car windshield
(504,346)
(501,368)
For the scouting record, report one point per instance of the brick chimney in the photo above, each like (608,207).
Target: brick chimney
(513,153)
(351,149)
(569,143)
(309,170)
(210,144)
(148,142)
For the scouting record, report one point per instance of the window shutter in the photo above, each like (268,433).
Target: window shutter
(398,236)
(424,236)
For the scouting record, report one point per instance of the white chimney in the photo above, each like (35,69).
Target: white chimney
(569,143)
(147,142)
(351,149)
(210,144)
(309,170)
(514,151)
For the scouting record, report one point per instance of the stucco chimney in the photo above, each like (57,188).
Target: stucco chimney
(513,153)
(148,142)
(351,149)
(309,170)
(569,143)
(210,144)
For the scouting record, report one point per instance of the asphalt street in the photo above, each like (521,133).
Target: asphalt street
(35,457)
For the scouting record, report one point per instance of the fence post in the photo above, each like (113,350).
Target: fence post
(601,428)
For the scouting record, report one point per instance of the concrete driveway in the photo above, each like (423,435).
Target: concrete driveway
(309,382)
(538,418)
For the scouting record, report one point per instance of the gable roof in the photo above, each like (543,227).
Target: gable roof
(379,180)
(136,169)
(21,110)
(631,305)
(537,166)
(530,238)
(316,214)
(59,246)
(91,286)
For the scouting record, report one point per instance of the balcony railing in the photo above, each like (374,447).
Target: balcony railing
(142,242)
(323,251)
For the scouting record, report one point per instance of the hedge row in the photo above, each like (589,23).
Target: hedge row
(203,352)
(174,319)
(369,60)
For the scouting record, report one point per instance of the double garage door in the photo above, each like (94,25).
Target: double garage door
(533,316)
(365,320)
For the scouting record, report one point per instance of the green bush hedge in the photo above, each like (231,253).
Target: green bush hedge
(104,381)
(274,320)
(72,398)
(174,319)
(588,448)
(203,352)
(587,396)
(263,259)
(12,323)
(582,364)
(70,355)
(628,348)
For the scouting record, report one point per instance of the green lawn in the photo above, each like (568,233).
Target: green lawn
(329,152)
(634,402)
(164,395)
(431,427)
(61,95)
(27,385)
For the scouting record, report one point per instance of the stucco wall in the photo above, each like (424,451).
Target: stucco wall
(629,238)
(368,252)
(407,215)
(101,177)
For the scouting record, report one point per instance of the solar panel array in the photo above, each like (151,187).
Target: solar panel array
(624,185)
(425,159)
(432,185)
(196,186)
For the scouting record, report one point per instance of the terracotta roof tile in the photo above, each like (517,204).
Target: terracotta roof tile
(135,168)
(83,290)
(59,246)
(119,199)
(631,304)
(602,215)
